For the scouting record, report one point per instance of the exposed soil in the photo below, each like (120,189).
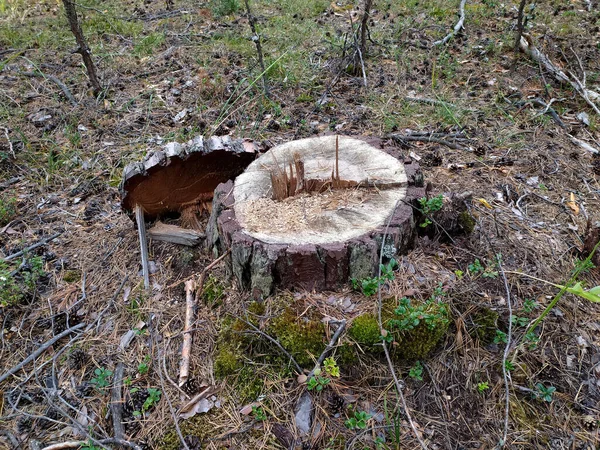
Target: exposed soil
(173,74)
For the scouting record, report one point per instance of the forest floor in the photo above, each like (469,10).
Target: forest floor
(170,75)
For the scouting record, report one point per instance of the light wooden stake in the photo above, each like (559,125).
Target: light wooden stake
(141,226)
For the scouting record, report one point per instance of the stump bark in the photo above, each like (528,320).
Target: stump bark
(317,240)
(183,175)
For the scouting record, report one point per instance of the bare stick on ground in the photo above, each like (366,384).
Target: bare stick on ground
(257,42)
(10,145)
(590,96)
(190,288)
(63,87)
(459,25)
(41,349)
(116,402)
(397,382)
(83,48)
(141,226)
(341,326)
(33,247)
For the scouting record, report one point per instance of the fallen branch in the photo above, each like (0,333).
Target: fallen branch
(41,349)
(588,95)
(192,288)
(403,138)
(33,247)
(459,25)
(63,87)
(329,347)
(77,444)
(397,382)
(116,402)
(10,145)
(584,145)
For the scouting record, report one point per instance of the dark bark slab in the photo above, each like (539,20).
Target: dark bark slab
(181,175)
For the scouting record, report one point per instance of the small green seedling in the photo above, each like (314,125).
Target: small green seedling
(152,400)
(429,206)
(143,367)
(331,367)
(369,286)
(482,386)
(317,382)
(416,372)
(102,378)
(500,338)
(520,321)
(529,305)
(259,414)
(544,393)
(359,421)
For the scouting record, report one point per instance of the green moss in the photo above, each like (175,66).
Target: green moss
(486,324)
(303,336)
(417,327)
(248,385)
(72,276)
(365,330)
(467,222)
(200,425)
(227,361)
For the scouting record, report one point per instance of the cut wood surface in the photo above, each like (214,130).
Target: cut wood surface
(175,234)
(318,240)
(181,175)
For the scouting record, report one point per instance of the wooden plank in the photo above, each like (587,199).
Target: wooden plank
(175,234)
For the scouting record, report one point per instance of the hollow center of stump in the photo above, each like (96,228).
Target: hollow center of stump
(329,215)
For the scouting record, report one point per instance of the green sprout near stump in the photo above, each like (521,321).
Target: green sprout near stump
(359,421)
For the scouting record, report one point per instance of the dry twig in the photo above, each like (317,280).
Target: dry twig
(33,247)
(590,96)
(41,349)
(329,347)
(459,26)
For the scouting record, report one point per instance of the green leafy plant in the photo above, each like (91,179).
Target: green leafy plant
(152,400)
(144,367)
(331,367)
(542,392)
(476,267)
(429,206)
(102,378)
(501,337)
(259,414)
(520,321)
(358,421)
(529,305)
(416,371)
(369,286)
(409,315)
(317,382)
(19,281)
(482,386)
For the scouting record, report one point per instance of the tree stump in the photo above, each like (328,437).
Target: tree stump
(320,239)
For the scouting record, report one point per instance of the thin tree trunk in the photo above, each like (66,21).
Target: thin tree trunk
(256,39)
(83,49)
(519,30)
(364,26)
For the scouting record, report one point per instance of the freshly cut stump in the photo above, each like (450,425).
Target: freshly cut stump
(183,175)
(316,240)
